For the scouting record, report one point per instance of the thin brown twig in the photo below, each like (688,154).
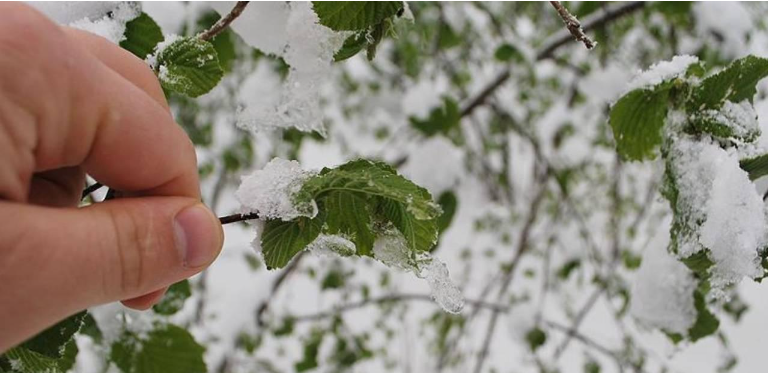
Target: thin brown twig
(573,25)
(281,279)
(509,271)
(234,218)
(223,22)
(387,299)
(557,41)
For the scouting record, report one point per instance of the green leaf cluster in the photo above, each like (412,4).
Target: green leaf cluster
(358,201)
(53,350)
(165,349)
(638,118)
(371,21)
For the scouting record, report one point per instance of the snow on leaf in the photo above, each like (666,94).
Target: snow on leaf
(735,83)
(187,65)
(272,191)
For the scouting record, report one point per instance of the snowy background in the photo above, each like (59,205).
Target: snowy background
(533,168)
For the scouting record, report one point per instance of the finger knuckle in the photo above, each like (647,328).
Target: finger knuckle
(133,248)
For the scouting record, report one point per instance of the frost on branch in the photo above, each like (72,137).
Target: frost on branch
(270,192)
(662,293)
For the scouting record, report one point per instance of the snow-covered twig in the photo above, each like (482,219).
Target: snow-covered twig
(573,25)
(223,22)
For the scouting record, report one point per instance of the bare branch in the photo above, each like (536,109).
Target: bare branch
(290,269)
(509,271)
(558,40)
(573,25)
(223,22)
(389,299)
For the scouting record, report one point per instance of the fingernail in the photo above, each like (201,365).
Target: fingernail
(198,236)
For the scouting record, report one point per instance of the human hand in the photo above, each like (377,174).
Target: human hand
(73,103)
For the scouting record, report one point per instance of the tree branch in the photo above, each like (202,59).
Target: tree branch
(223,22)
(388,299)
(509,271)
(558,40)
(573,25)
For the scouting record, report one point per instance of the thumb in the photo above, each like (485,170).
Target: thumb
(55,262)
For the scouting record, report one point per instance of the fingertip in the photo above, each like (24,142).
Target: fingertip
(199,236)
(146,301)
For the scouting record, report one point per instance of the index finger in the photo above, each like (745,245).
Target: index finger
(81,112)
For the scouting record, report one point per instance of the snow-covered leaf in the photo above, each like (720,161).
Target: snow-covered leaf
(352,46)
(756,167)
(735,83)
(189,66)
(373,179)
(354,15)
(141,36)
(420,235)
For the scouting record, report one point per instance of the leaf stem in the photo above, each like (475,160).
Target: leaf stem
(234,218)
(223,22)
(90,189)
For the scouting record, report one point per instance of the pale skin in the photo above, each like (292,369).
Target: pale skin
(72,104)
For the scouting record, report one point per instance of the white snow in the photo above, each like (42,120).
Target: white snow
(740,117)
(391,249)
(662,291)
(718,195)
(435,164)
(329,245)
(308,50)
(662,71)
(270,191)
(109,27)
(261,25)
(66,12)
(443,290)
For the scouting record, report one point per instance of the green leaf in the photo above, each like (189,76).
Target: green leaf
(637,120)
(347,213)
(165,349)
(372,179)
(23,360)
(224,42)
(282,240)
(699,263)
(448,203)
(354,15)
(51,342)
(334,279)
(535,338)
(189,66)
(174,298)
(441,119)
(421,235)
(507,52)
(565,271)
(756,167)
(706,323)
(141,36)
(735,83)
(311,349)
(352,46)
